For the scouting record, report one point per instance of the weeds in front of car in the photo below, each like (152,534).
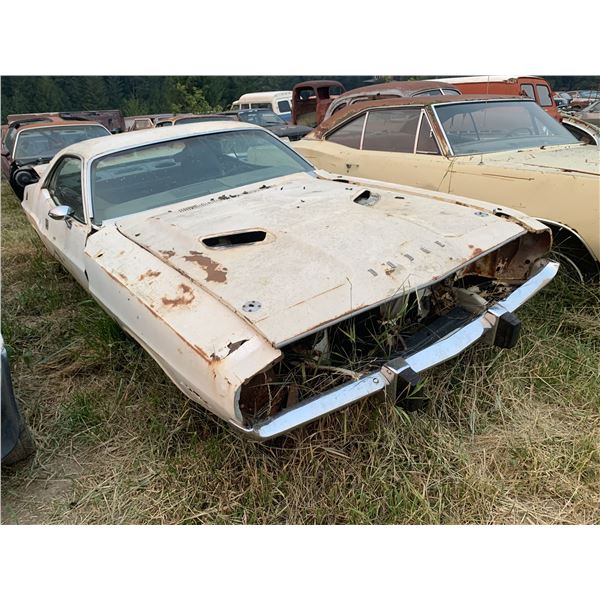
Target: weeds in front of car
(509,437)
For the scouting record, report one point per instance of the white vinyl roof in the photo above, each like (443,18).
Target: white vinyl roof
(124,141)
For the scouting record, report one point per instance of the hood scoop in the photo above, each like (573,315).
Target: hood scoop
(232,240)
(366,198)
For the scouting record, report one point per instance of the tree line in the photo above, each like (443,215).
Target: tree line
(135,95)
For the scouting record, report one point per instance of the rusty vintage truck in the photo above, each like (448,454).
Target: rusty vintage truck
(273,293)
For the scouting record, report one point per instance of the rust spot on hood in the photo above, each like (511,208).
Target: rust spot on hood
(214,271)
(474,251)
(186,297)
(148,273)
(167,253)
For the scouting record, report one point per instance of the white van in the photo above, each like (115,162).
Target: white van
(279,102)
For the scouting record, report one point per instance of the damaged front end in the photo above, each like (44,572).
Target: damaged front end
(386,347)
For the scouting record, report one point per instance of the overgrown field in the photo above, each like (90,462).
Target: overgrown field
(510,436)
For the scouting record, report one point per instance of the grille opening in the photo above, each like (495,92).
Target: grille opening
(345,351)
(235,239)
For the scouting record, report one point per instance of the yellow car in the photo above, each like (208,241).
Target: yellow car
(503,150)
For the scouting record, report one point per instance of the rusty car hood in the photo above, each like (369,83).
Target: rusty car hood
(583,159)
(323,257)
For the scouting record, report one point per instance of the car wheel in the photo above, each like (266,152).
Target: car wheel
(576,261)
(24,448)
(22,177)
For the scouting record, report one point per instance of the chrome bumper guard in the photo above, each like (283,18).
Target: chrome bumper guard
(405,367)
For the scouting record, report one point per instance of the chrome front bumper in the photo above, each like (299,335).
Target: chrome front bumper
(438,352)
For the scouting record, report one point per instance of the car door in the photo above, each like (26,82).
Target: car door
(398,145)
(66,237)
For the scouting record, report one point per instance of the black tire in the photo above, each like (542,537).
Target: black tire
(22,177)
(24,448)
(576,261)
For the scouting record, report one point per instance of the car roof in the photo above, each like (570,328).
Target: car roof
(400,86)
(57,123)
(488,78)
(318,83)
(391,102)
(258,96)
(89,149)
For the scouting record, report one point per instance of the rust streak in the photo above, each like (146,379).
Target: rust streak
(187,296)
(148,273)
(167,253)
(214,271)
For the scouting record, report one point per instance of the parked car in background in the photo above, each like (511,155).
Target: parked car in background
(591,113)
(391,89)
(17,441)
(29,146)
(536,88)
(502,150)
(186,119)
(275,124)
(242,270)
(562,100)
(311,99)
(582,98)
(258,116)
(584,129)
(279,102)
(111,119)
(138,123)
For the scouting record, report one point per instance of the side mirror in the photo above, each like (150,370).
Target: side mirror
(61,212)
(5,151)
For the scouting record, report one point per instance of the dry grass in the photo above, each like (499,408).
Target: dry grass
(510,436)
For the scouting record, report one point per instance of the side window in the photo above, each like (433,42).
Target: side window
(391,130)
(429,93)
(65,185)
(284,106)
(9,140)
(349,134)
(544,95)
(426,143)
(527,89)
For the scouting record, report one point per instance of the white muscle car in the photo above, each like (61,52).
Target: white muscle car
(270,292)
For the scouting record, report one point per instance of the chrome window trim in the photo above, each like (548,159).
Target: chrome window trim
(450,150)
(362,133)
(439,152)
(418,132)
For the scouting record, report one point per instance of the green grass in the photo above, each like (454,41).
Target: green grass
(510,436)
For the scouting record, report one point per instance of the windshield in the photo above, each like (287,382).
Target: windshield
(161,174)
(260,117)
(594,107)
(482,127)
(45,142)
